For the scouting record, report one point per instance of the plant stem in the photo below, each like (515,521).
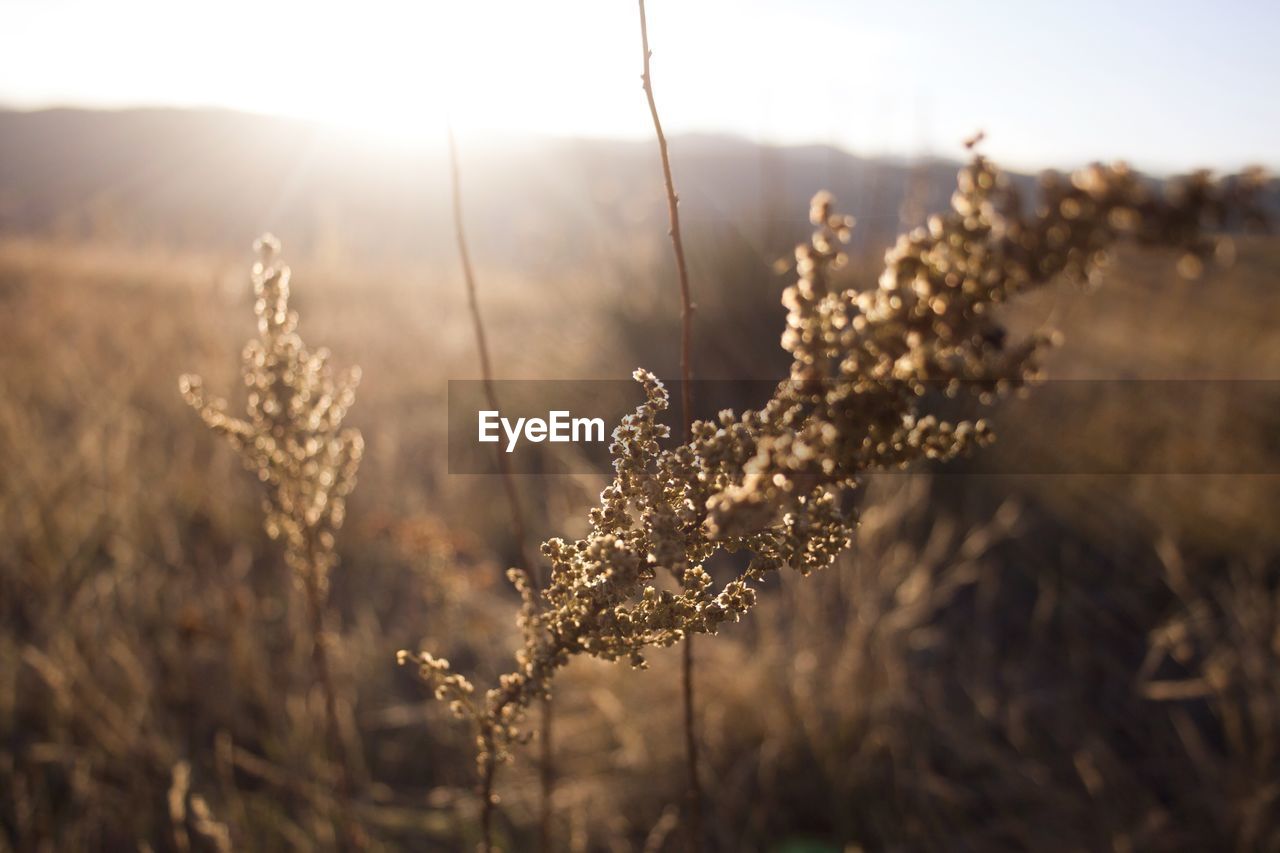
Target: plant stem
(691,747)
(486,364)
(546,778)
(686,414)
(317,601)
(528,565)
(488,770)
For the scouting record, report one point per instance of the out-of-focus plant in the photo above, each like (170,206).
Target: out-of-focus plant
(293,439)
(775,483)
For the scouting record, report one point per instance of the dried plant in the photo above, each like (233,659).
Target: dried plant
(774,483)
(292,435)
(293,439)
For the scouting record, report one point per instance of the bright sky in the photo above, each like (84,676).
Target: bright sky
(1163,84)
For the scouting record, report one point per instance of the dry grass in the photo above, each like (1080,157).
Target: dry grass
(993,667)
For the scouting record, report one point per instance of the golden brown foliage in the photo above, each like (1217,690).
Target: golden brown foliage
(773,483)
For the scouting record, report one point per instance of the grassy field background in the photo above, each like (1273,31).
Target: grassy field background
(1003,661)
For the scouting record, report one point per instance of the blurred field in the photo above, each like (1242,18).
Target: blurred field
(1001,663)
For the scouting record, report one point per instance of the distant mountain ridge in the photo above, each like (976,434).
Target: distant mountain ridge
(213,179)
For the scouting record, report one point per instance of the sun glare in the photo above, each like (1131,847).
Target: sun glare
(858,76)
(393,70)
(400,71)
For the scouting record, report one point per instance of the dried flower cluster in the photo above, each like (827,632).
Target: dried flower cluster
(292,435)
(292,438)
(773,482)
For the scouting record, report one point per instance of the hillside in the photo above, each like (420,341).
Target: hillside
(213,179)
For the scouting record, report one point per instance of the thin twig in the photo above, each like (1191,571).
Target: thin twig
(528,565)
(677,243)
(686,414)
(546,777)
(486,365)
(352,838)
(489,768)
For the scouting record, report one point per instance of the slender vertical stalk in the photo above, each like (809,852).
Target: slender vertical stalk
(488,769)
(686,414)
(350,835)
(486,364)
(546,777)
(528,565)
